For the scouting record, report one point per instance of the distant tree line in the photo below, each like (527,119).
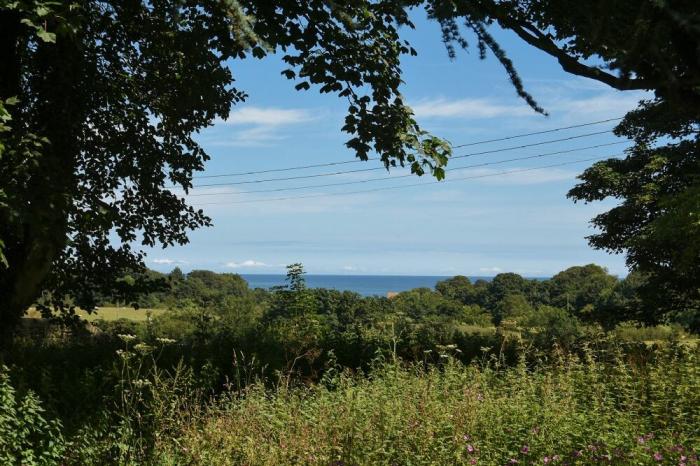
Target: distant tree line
(588,293)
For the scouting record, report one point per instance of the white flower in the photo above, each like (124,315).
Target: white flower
(143,348)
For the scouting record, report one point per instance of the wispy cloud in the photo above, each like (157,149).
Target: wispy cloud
(514,176)
(607,104)
(469,109)
(168,261)
(250,263)
(258,126)
(491,269)
(268,116)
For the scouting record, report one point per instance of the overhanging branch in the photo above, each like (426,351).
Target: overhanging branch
(534,37)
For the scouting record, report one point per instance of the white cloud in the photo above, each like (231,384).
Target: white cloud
(349,268)
(469,108)
(512,176)
(259,126)
(609,104)
(491,269)
(246,263)
(168,261)
(268,116)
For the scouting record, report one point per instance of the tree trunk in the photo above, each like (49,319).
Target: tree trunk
(37,233)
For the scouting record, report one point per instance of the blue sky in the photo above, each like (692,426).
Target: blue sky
(520,222)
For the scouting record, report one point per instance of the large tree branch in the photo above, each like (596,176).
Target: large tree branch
(536,38)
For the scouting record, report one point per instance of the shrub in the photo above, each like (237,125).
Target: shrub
(592,409)
(26,437)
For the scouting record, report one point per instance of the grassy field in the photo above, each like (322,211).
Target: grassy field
(109,313)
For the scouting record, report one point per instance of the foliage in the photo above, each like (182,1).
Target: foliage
(101,102)
(27,437)
(575,410)
(581,290)
(631,44)
(656,223)
(260,357)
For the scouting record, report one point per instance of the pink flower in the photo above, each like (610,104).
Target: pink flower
(470,448)
(524,449)
(546,460)
(658,456)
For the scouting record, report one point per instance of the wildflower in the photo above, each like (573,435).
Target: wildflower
(126,337)
(125,355)
(143,348)
(470,448)
(466,437)
(546,459)
(472,461)
(165,341)
(140,383)
(524,449)
(512,461)
(658,456)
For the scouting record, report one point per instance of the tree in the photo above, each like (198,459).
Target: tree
(582,290)
(512,306)
(458,288)
(628,45)
(505,284)
(100,101)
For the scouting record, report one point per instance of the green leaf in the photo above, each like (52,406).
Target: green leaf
(46,36)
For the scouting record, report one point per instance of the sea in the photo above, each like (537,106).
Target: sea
(366,285)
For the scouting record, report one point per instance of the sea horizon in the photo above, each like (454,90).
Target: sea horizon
(365,285)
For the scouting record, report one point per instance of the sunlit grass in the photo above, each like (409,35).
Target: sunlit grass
(108,313)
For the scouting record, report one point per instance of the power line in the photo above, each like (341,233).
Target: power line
(344,162)
(554,130)
(345,183)
(493,151)
(386,188)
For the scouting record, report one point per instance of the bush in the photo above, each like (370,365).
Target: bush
(26,437)
(633,331)
(593,409)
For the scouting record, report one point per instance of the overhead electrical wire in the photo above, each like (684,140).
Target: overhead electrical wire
(317,175)
(553,130)
(369,180)
(344,162)
(386,188)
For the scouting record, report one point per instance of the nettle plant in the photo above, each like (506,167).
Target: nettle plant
(27,437)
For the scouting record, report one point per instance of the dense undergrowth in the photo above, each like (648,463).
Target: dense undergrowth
(488,373)
(599,405)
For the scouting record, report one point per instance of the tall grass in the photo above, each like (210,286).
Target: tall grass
(596,408)
(603,404)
